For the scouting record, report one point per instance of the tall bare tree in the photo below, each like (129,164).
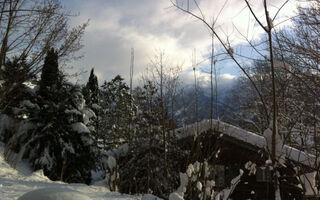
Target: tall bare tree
(29,28)
(268,28)
(299,48)
(165,77)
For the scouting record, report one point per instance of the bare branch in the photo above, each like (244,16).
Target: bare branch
(227,49)
(255,16)
(279,10)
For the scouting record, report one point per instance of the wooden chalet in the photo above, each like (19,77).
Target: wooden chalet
(228,149)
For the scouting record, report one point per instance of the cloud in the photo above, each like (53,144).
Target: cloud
(146,25)
(204,79)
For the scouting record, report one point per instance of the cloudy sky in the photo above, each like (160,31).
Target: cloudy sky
(150,26)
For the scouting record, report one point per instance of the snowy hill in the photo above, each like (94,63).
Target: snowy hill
(16,182)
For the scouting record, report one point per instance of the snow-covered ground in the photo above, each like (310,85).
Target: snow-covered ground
(16,182)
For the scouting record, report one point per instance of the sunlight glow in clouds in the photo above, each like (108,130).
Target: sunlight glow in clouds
(150,25)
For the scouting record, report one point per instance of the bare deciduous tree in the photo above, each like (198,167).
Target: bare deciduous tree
(268,28)
(29,28)
(165,77)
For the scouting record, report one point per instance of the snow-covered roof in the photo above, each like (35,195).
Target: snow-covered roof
(248,137)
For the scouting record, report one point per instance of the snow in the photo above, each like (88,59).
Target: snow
(28,104)
(96,106)
(119,151)
(192,176)
(112,174)
(54,194)
(14,183)
(309,182)
(31,87)
(190,170)
(80,127)
(87,115)
(251,167)
(23,128)
(178,195)
(277,193)
(67,147)
(29,84)
(175,196)
(73,111)
(225,193)
(150,197)
(248,137)
(111,162)
(267,134)
(45,159)
(237,179)
(209,187)
(183,183)
(199,185)
(196,166)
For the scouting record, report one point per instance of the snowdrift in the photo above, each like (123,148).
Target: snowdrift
(54,194)
(15,184)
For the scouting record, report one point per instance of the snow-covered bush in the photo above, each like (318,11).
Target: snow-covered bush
(226,193)
(195,183)
(112,174)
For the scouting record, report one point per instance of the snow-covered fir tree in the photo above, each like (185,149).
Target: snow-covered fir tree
(53,134)
(91,90)
(91,95)
(15,94)
(144,169)
(118,112)
(13,74)
(50,73)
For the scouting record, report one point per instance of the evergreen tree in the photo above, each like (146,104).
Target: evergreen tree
(14,73)
(143,170)
(54,136)
(119,111)
(15,93)
(69,152)
(91,90)
(91,95)
(50,71)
